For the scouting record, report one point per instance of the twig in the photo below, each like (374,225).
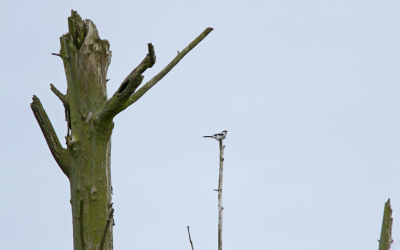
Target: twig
(190,239)
(167,69)
(386,233)
(55,54)
(58,94)
(64,100)
(82,115)
(103,240)
(81,227)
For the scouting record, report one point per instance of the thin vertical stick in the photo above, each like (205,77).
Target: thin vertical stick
(386,233)
(103,240)
(220,207)
(81,233)
(190,239)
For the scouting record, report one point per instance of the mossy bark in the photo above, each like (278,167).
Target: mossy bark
(89,115)
(86,58)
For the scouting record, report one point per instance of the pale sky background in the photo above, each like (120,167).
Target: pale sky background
(308,91)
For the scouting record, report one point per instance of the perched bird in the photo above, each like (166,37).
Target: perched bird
(218,137)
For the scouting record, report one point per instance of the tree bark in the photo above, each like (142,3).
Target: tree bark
(89,115)
(386,232)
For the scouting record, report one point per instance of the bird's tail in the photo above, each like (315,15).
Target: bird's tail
(207,136)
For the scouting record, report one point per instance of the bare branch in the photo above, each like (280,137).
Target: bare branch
(55,54)
(116,103)
(103,240)
(58,93)
(190,239)
(386,233)
(64,100)
(167,69)
(126,95)
(59,153)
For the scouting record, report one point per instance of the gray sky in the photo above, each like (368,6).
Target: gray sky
(308,90)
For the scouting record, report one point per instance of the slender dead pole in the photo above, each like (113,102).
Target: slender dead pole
(386,233)
(220,207)
(219,137)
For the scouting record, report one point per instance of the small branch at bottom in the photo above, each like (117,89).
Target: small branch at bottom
(190,239)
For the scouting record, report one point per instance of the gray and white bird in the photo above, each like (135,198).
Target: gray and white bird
(218,137)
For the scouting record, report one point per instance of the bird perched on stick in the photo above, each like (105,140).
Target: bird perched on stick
(218,137)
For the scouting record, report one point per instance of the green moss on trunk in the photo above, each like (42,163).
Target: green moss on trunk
(89,114)
(86,58)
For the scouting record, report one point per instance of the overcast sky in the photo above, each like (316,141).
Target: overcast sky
(308,91)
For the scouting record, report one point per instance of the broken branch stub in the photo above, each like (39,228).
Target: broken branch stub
(59,153)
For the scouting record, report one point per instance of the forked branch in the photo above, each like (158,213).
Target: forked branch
(167,69)
(116,103)
(126,95)
(58,152)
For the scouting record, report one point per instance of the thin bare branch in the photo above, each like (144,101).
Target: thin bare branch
(59,153)
(55,54)
(190,239)
(64,100)
(117,102)
(103,240)
(386,232)
(58,93)
(167,69)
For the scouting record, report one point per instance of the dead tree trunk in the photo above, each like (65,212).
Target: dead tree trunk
(89,115)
